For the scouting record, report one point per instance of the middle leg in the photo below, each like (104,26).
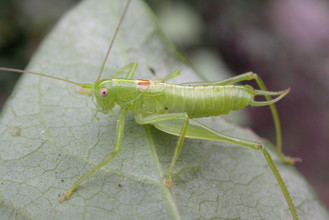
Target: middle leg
(153,119)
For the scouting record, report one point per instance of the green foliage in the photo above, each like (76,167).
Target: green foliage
(59,139)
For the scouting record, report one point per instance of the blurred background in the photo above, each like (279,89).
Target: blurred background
(285,41)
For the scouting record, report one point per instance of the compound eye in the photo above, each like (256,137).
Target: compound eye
(104,92)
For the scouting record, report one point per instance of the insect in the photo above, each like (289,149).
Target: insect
(172,109)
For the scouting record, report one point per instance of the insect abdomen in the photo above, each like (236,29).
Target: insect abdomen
(205,101)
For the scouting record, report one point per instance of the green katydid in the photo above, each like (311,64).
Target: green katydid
(171,109)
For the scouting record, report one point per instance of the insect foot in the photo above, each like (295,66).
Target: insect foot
(290,160)
(167,181)
(66,196)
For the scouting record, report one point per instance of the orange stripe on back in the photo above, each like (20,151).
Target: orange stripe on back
(142,82)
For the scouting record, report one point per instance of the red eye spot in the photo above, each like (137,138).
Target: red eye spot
(104,92)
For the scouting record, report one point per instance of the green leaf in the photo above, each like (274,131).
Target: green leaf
(49,137)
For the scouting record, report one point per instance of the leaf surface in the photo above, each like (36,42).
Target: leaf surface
(49,137)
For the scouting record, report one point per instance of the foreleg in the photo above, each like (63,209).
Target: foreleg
(128,70)
(117,148)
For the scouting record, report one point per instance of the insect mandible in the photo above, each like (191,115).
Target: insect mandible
(172,109)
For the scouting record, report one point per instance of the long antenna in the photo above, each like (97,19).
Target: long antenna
(38,74)
(113,39)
